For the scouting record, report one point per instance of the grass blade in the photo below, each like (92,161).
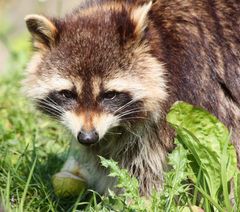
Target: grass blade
(224,162)
(195,194)
(9,179)
(27,186)
(213,202)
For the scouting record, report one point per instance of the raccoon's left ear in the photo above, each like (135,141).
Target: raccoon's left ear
(139,16)
(43,30)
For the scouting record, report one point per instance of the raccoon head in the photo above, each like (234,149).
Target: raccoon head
(96,69)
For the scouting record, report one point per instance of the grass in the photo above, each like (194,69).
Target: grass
(31,147)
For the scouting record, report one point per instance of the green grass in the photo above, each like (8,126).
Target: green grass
(31,145)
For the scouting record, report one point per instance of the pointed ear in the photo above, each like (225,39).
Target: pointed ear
(139,16)
(44,31)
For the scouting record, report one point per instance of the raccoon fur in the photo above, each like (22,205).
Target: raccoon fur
(110,70)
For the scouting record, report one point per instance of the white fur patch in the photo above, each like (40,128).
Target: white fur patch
(39,86)
(73,122)
(102,123)
(43,86)
(96,82)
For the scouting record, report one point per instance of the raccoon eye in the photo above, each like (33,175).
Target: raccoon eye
(67,94)
(110,95)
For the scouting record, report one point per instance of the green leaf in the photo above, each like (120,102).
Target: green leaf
(205,137)
(175,187)
(131,196)
(237,190)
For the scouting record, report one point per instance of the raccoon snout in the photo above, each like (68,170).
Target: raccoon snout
(88,138)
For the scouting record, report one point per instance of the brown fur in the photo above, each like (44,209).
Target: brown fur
(173,50)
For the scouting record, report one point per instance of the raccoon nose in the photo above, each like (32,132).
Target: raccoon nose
(88,138)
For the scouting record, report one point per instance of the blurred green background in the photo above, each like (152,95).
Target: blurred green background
(12,25)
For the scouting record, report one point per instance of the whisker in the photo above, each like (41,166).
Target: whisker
(113,133)
(54,103)
(50,106)
(50,109)
(124,106)
(138,108)
(51,100)
(130,112)
(129,118)
(56,114)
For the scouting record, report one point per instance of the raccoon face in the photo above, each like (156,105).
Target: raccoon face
(94,70)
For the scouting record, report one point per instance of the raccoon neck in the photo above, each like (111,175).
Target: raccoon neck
(141,152)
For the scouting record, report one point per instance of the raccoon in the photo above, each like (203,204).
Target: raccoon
(110,70)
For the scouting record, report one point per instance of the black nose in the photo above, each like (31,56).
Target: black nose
(88,138)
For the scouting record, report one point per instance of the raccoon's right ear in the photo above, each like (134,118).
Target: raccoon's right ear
(43,30)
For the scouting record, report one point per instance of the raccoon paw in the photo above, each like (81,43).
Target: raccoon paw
(66,184)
